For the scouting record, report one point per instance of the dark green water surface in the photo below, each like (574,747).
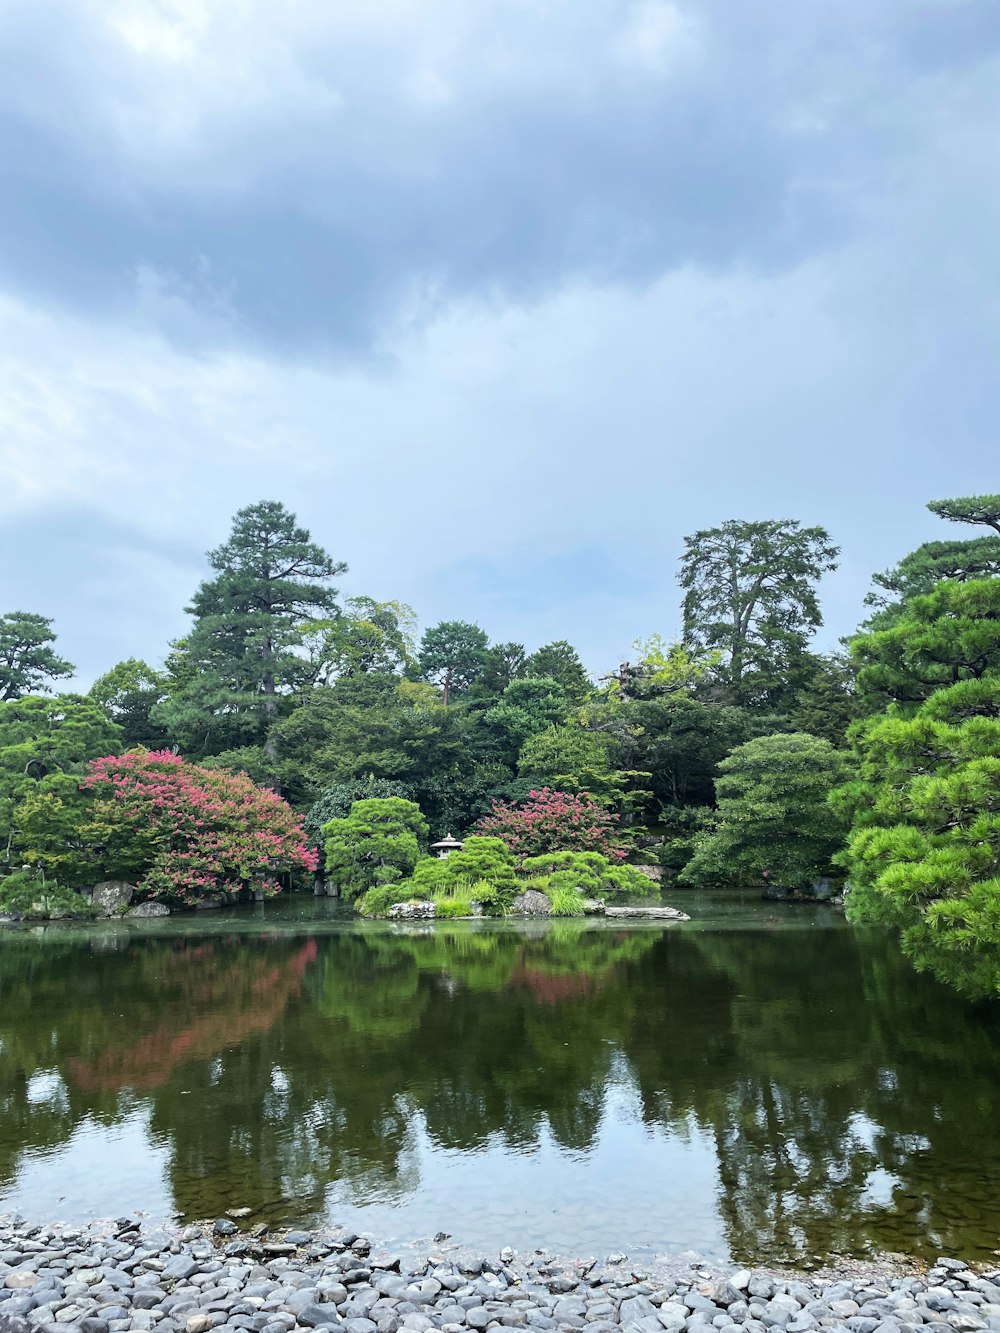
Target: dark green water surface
(764,1083)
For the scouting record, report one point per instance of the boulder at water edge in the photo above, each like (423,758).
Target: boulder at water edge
(149,909)
(112,896)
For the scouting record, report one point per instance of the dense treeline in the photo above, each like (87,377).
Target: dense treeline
(714,755)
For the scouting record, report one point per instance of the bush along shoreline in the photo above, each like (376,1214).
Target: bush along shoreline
(132,1277)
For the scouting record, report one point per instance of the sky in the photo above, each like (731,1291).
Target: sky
(502,298)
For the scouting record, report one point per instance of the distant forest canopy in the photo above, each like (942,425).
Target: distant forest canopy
(715,754)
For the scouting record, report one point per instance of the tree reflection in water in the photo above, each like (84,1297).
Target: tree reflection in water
(851,1102)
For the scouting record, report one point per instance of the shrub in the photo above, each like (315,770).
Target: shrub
(380,897)
(481,860)
(335,802)
(452,906)
(183,832)
(550,821)
(593,873)
(773,821)
(25,893)
(379,840)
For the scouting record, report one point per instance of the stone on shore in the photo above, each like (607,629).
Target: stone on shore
(112,896)
(149,909)
(145,1279)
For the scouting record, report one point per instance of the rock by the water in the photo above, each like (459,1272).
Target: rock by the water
(415,911)
(531,903)
(647,914)
(112,896)
(149,909)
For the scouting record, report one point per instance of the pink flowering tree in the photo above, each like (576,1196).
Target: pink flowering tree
(552,821)
(183,832)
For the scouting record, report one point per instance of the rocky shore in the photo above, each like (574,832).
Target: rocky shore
(124,1276)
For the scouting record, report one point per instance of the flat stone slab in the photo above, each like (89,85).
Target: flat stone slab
(645,914)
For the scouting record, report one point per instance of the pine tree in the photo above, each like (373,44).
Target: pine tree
(241,655)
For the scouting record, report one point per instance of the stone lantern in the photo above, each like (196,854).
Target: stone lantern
(447,845)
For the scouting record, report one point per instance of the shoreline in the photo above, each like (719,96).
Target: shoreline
(132,1274)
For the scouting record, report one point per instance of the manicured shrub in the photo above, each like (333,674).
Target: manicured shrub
(378,842)
(591,872)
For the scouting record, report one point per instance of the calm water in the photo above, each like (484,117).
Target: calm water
(764,1083)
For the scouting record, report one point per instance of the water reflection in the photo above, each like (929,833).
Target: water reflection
(834,1099)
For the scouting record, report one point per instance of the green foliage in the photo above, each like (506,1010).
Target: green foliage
(45,745)
(773,824)
(336,800)
(503,663)
(481,861)
(559,661)
(528,707)
(377,900)
(452,655)
(28,664)
(950,635)
(377,842)
(368,636)
(924,851)
(564,895)
(574,759)
(677,742)
(590,872)
(918,573)
(681,827)
(980,510)
(242,653)
(27,893)
(129,693)
(750,593)
(825,701)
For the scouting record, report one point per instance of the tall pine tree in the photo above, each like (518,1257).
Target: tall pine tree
(241,655)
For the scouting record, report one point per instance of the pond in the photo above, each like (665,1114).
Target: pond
(764,1084)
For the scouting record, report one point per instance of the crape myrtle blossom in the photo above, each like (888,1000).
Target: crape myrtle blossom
(552,821)
(187,832)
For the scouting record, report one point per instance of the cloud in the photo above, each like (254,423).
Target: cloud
(503,299)
(310,170)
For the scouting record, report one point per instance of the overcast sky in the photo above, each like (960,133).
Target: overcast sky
(501,297)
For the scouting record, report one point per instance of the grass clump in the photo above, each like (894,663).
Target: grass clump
(25,893)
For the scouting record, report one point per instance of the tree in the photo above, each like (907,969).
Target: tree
(662,668)
(826,701)
(45,745)
(559,661)
(573,759)
(528,706)
(128,693)
(184,832)
(27,662)
(919,572)
(504,662)
(980,510)
(453,655)
(774,824)
(949,635)
(335,801)
(377,843)
(924,851)
(553,821)
(243,650)
(368,636)
(750,592)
